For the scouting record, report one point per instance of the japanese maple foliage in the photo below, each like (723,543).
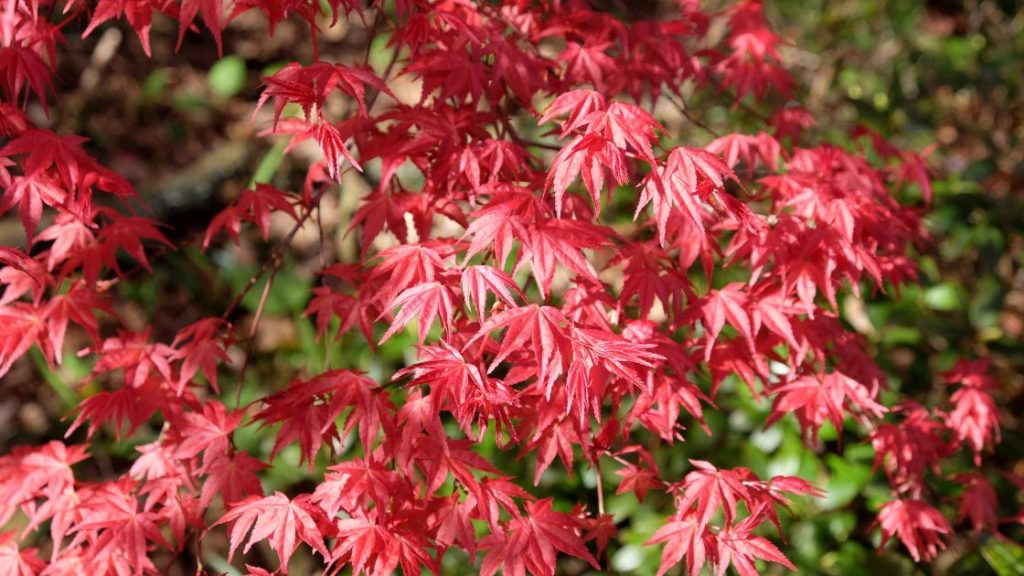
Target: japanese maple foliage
(538,324)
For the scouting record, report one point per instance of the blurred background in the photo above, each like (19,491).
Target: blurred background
(948,74)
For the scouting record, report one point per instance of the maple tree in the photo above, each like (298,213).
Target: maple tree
(538,324)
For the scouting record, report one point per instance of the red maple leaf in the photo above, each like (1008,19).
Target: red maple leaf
(477,281)
(428,301)
(919,526)
(282,522)
(532,542)
(683,535)
(18,562)
(200,347)
(23,69)
(712,489)
(377,546)
(542,326)
(740,547)
(127,408)
(230,476)
(348,485)
(212,12)
(139,14)
(208,432)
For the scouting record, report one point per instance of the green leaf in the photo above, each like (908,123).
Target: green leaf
(227,76)
(945,297)
(1005,557)
(985,305)
(154,86)
(56,381)
(191,102)
(270,164)
(846,479)
(900,335)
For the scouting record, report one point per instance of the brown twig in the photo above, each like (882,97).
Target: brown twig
(519,139)
(742,105)
(250,344)
(681,106)
(273,263)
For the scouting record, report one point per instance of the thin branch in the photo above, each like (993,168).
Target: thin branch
(537,144)
(323,264)
(272,263)
(511,130)
(250,344)
(199,553)
(742,105)
(276,256)
(681,106)
(278,251)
